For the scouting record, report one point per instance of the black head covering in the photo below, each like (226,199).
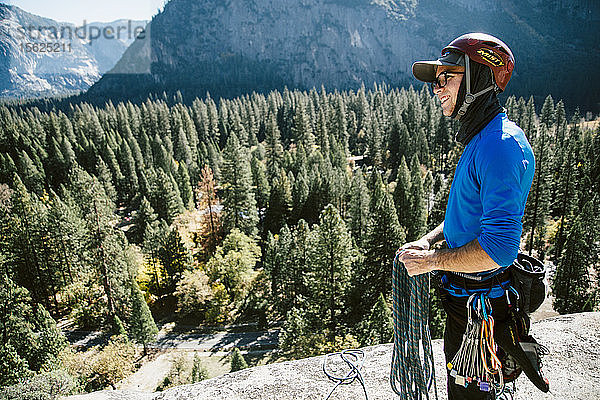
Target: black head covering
(483,109)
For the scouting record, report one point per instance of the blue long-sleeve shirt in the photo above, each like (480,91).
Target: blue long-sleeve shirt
(489,191)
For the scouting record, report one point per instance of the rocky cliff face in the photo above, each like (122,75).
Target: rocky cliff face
(572,368)
(41,57)
(232,47)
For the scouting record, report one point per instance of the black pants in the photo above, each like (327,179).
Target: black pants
(456,323)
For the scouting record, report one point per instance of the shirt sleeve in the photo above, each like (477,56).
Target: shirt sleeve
(500,167)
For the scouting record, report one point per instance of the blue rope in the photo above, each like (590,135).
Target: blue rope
(412,372)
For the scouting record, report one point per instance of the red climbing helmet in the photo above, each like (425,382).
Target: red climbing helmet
(483,49)
(487,50)
(479,47)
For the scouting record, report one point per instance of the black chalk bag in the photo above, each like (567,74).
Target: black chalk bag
(528,275)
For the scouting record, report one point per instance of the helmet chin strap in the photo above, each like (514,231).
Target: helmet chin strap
(470,97)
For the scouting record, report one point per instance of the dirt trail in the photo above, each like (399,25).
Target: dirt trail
(152,373)
(147,378)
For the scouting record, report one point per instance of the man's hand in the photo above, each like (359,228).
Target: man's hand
(417,262)
(421,244)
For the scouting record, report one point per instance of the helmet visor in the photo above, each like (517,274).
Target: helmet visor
(425,70)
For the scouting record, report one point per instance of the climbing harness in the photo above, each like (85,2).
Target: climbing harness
(354,358)
(492,355)
(412,371)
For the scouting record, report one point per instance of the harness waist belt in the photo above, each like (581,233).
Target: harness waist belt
(461,287)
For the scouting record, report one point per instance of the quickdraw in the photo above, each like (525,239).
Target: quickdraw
(476,360)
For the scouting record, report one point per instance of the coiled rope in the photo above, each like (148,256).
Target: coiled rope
(354,358)
(412,372)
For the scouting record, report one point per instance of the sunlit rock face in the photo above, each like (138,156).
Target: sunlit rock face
(572,368)
(233,47)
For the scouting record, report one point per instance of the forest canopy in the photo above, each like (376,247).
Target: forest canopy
(280,207)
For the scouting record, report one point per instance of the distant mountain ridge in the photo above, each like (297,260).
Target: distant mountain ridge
(233,47)
(75,63)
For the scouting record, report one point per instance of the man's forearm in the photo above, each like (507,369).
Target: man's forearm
(435,235)
(468,258)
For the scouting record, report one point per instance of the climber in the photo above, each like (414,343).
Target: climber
(482,225)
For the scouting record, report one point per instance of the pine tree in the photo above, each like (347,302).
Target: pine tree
(442,144)
(301,128)
(185,187)
(174,258)
(547,117)
(294,334)
(300,193)
(207,204)
(261,186)
(32,177)
(107,246)
(332,255)
(378,326)
(359,207)
(30,341)
(168,204)
(153,239)
(416,224)
(273,147)
(572,287)
(105,178)
(131,185)
(143,220)
(66,232)
(142,326)
(339,124)
(441,191)
(538,201)
(272,267)
(374,144)
(239,203)
(280,204)
(117,327)
(427,189)
(25,242)
(384,236)
(401,195)
(199,371)
(566,187)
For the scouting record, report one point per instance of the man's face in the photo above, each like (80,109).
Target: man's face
(449,93)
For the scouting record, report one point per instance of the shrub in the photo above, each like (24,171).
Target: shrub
(179,373)
(44,386)
(238,362)
(193,292)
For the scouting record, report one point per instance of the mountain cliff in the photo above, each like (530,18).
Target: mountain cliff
(43,57)
(233,47)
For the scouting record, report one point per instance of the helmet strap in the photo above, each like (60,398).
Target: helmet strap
(470,97)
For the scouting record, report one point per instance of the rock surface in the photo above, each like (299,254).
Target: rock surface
(573,368)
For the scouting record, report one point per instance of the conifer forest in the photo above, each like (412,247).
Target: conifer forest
(284,208)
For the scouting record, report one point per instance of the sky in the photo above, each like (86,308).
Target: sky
(76,11)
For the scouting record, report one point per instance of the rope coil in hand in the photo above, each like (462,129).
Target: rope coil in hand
(412,371)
